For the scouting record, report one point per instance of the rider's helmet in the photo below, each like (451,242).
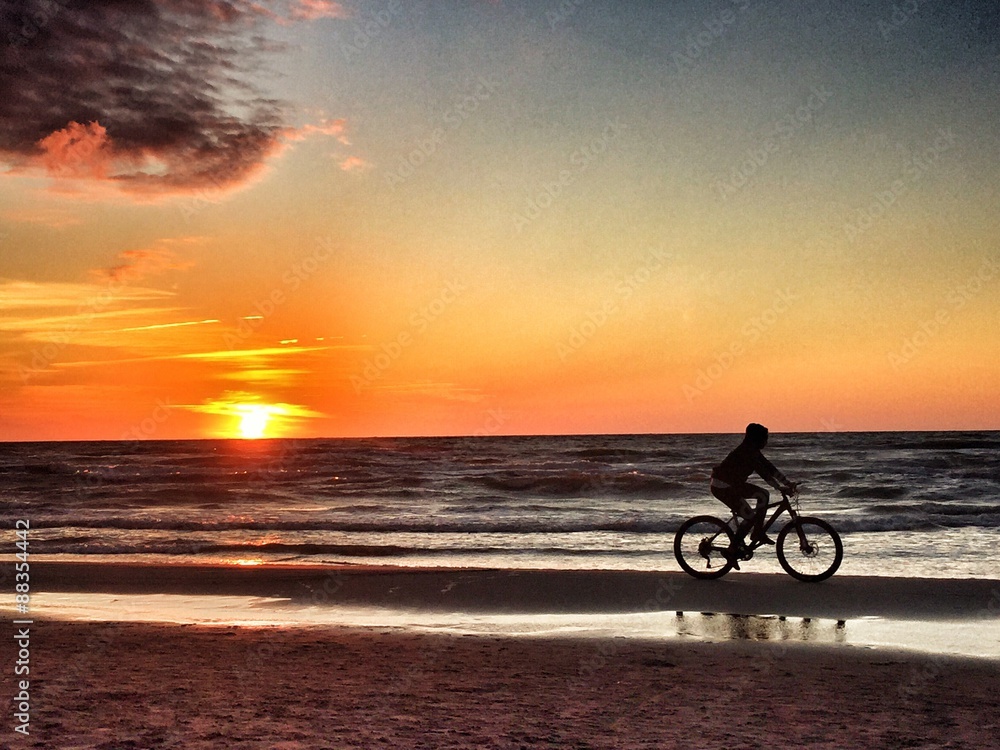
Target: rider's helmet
(756,434)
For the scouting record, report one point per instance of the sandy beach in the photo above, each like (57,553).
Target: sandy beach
(145,685)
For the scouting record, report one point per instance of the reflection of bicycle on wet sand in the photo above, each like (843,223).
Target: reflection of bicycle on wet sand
(808,548)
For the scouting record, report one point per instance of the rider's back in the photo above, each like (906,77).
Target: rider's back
(741,462)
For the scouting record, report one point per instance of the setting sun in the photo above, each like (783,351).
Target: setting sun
(254,419)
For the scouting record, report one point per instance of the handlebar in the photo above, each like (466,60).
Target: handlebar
(796,486)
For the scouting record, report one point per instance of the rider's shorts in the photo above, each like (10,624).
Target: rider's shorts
(735,496)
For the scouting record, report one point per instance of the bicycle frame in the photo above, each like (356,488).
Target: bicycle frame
(785,505)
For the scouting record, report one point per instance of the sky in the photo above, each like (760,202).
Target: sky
(304,218)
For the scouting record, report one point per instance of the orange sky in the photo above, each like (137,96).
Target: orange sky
(501,220)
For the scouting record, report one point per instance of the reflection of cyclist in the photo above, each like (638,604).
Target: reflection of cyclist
(729,482)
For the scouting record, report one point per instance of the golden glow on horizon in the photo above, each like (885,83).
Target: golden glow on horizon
(248,417)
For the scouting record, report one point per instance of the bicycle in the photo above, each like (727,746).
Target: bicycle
(809,549)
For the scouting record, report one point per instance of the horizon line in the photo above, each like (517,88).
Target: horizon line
(480,437)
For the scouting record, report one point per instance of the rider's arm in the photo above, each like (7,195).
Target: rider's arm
(769,472)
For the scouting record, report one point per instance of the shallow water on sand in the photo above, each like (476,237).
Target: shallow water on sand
(978,638)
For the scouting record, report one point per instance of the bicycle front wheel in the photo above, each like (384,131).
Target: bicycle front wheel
(809,549)
(700,547)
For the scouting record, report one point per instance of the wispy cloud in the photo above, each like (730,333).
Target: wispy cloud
(264,375)
(75,297)
(242,354)
(161,326)
(82,323)
(135,265)
(242,358)
(444,391)
(50,217)
(43,324)
(353,164)
(64,327)
(76,313)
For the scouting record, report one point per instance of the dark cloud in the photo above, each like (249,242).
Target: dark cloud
(156,96)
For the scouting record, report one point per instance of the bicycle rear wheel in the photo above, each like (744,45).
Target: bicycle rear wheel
(700,547)
(809,549)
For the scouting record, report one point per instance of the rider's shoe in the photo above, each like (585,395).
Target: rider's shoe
(762,539)
(733,557)
(736,553)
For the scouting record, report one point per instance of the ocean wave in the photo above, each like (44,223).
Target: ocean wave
(575,483)
(917,522)
(874,492)
(182,547)
(293,550)
(931,508)
(395,526)
(958,442)
(609,453)
(659,544)
(51,468)
(915,519)
(840,476)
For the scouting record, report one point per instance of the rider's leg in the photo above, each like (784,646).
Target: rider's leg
(746,515)
(732,498)
(742,511)
(760,512)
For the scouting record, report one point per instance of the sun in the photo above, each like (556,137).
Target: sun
(253,420)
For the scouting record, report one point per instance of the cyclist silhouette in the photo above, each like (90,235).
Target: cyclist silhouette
(729,483)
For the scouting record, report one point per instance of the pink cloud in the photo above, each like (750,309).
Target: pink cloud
(311,10)
(77,151)
(334,128)
(353,164)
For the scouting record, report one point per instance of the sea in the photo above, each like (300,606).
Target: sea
(914,504)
